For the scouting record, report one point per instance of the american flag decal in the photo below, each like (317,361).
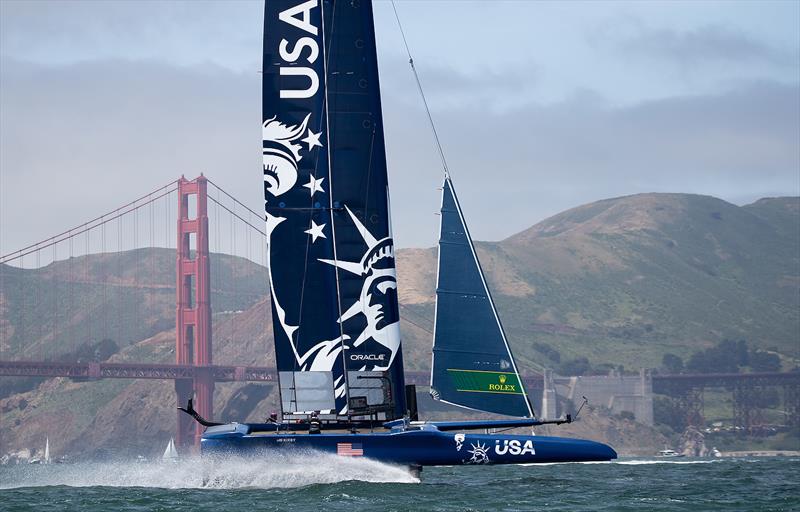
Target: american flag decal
(349,449)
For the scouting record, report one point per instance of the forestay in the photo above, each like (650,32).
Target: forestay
(472,362)
(331,255)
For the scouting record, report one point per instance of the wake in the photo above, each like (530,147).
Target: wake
(647,462)
(277,471)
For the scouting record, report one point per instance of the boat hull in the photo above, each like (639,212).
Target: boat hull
(412,447)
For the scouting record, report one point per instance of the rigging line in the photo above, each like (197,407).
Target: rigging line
(215,261)
(236,215)
(369,171)
(418,315)
(104,260)
(234,199)
(73,232)
(403,317)
(234,267)
(327,111)
(38,296)
(421,92)
(87,305)
(119,317)
(6,257)
(54,318)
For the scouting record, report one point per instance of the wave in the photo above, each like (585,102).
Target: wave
(276,471)
(665,461)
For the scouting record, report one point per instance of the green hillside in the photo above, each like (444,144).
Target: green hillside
(125,297)
(625,280)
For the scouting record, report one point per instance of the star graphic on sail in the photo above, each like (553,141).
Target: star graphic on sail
(312,139)
(314,185)
(315,231)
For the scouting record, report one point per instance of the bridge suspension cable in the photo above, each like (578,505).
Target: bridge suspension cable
(92,224)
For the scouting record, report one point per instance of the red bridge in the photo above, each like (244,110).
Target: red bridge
(194,373)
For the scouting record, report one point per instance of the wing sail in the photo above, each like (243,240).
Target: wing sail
(331,254)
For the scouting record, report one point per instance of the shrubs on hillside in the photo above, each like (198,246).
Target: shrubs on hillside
(727,356)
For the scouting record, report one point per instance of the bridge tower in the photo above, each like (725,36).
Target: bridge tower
(193,306)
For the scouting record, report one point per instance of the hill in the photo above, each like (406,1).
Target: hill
(625,280)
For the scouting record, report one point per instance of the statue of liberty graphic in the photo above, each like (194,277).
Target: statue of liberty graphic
(369,326)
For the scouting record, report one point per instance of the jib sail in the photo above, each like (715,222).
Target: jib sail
(331,254)
(472,362)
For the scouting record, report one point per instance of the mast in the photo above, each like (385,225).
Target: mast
(331,255)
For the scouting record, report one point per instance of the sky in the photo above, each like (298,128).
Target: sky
(540,106)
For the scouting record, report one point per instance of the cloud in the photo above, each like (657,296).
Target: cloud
(80,139)
(710,43)
(227,34)
(447,87)
(512,168)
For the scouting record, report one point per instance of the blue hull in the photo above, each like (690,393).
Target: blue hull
(425,447)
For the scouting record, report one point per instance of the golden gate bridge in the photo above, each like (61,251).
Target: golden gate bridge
(46,322)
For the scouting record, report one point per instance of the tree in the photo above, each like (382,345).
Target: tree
(579,366)
(105,349)
(667,412)
(763,361)
(725,357)
(672,363)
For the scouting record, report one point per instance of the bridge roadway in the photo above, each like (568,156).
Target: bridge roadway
(231,373)
(135,371)
(219,373)
(668,384)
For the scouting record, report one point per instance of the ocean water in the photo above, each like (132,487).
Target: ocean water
(330,483)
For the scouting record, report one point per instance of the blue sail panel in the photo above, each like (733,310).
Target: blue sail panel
(331,255)
(296,182)
(472,362)
(364,248)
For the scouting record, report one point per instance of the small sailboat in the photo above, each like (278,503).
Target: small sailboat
(170,453)
(333,284)
(44,459)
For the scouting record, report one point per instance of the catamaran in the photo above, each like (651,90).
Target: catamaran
(332,278)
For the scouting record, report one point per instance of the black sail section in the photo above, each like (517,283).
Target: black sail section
(331,256)
(364,249)
(305,308)
(472,362)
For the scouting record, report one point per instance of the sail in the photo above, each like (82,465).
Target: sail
(331,255)
(472,362)
(47,450)
(170,453)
